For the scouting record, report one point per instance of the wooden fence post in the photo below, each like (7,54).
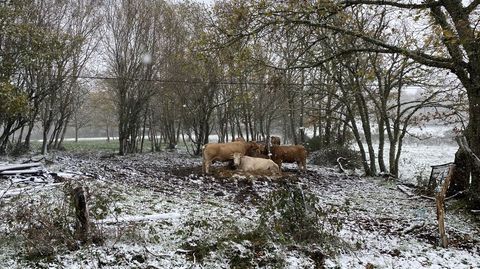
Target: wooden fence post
(440,201)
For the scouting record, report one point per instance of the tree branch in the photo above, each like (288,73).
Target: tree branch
(420,57)
(472,6)
(328,59)
(391,3)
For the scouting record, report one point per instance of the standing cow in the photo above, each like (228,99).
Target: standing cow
(290,154)
(224,152)
(275,140)
(265,147)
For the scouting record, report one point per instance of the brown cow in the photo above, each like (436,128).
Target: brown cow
(275,140)
(224,152)
(264,147)
(290,154)
(239,139)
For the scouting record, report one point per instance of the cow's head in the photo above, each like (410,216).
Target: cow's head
(253,149)
(236,159)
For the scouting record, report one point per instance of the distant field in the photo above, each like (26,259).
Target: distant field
(92,145)
(96,144)
(85,145)
(418,157)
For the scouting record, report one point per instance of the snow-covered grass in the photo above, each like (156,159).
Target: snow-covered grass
(158,211)
(416,159)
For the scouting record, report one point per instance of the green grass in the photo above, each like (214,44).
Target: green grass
(90,145)
(93,145)
(111,146)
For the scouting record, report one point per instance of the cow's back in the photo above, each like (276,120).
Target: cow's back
(223,151)
(257,164)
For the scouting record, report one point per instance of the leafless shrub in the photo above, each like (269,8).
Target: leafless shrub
(46,224)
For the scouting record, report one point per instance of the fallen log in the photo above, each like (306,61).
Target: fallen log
(25,190)
(21,172)
(143,218)
(454,195)
(405,190)
(19,166)
(414,226)
(428,197)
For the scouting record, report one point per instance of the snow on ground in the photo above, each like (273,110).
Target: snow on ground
(416,159)
(154,209)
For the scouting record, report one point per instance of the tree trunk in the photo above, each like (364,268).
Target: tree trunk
(291,115)
(363,111)
(473,139)
(29,133)
(461,174)
(328,121)
(62,138)
(20,136)
(465,167)
(76,130)
(381,144)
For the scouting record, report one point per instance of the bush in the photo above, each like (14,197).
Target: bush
(291,218)
(19,149)
(293,215)
(47,225)
(313,144)
(328,157)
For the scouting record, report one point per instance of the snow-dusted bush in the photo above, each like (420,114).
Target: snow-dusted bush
(328,157)
(291,218)
(293,215)
(47,225)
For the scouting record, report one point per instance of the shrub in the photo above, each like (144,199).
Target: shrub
(293,215)
(313,144)
(291,218)
(328,157)
(19,149)
(47,224)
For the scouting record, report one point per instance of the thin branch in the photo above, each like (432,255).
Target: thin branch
(472,6)
(418,56)
(320,62)
(429,4)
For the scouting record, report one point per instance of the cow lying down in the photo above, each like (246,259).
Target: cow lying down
(252,164)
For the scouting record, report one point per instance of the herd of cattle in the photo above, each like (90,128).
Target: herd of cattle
(263,157)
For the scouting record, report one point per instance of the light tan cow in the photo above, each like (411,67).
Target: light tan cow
(252,164)
(224,152)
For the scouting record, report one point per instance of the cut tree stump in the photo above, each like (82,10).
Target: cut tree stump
(81,211)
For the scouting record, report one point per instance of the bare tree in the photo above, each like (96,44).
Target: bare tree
(132,57)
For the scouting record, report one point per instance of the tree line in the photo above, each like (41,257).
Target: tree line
(179,72)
